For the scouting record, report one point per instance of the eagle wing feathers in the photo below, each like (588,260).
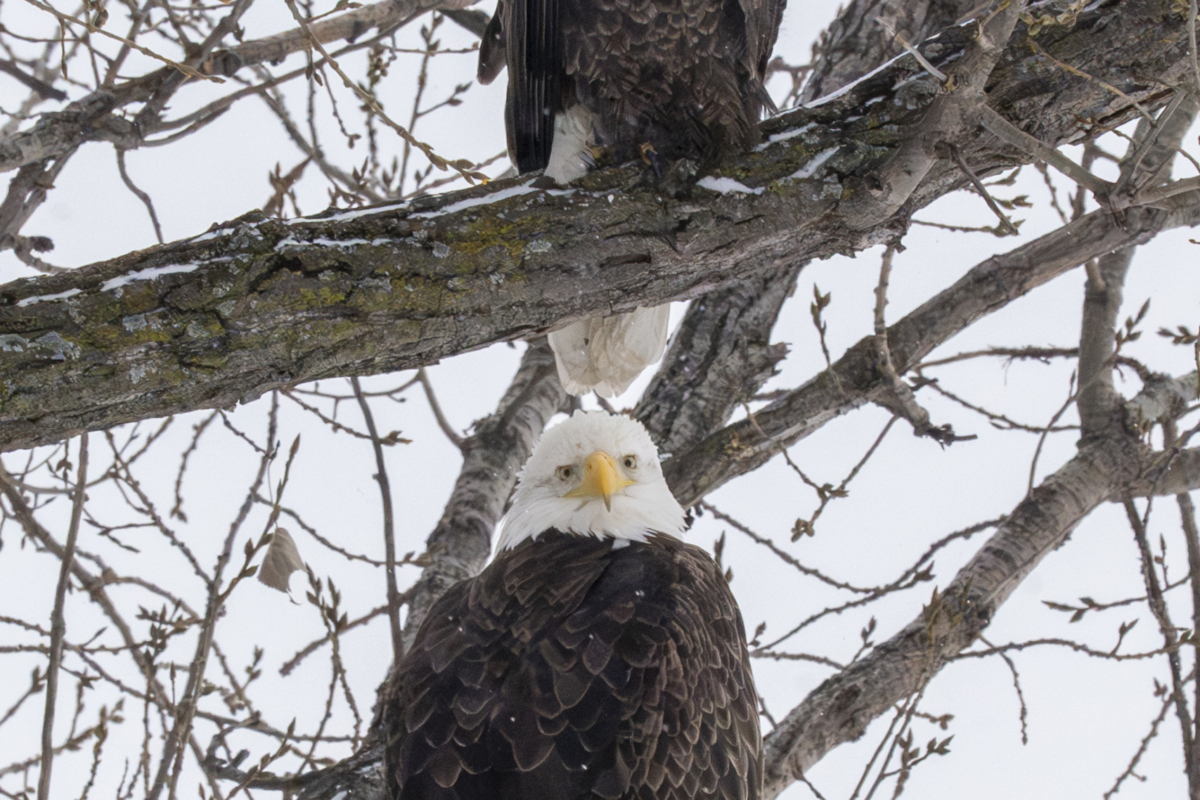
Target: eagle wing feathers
(570,670)
(492,47)
(534,54)
(685,76)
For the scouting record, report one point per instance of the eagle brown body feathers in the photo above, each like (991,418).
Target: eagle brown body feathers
(682,76)
(570,669)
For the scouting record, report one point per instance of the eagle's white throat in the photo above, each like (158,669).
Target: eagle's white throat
(558,489)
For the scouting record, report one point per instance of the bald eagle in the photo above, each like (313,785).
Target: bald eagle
(597,655)
(653,79)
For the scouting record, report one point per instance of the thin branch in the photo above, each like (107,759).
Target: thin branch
(293,662)
(999,126)
(141,195)
(389,525)
(899,398)
(58,625)
(442,422)
(1006,225)
(460,166)
(67,19)
(1191,536)
(1158,607)
(44,89)
(1168,701)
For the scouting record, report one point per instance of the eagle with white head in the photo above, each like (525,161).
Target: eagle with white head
(597,657)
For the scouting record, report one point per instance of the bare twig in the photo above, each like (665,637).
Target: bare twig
(1006,225)
(1168,701)
(1191,535)
(899,398)
(44,89)
(460,166)
(389,525)
(57,624)
(1158,607)
(141,195)
(67,19)
(443,423)
(999,126)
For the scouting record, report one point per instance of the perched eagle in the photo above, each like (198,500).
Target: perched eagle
(658,80)
(597,656)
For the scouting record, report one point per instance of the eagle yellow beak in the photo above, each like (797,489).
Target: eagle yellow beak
(600,479)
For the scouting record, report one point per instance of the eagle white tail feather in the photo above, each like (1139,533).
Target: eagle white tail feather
(605,354)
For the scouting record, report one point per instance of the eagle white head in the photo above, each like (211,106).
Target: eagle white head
(596,474)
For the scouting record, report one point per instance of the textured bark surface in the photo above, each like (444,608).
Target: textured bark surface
(858,41)
(259,304)
(719,357)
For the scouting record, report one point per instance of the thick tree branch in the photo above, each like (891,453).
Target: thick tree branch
(1162,398)
(1149,155)
(891,185)
(1182,474)
(1103,293)
(864,35)
(259,304)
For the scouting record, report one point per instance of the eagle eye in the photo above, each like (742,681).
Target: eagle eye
(630,462)
(565,473)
